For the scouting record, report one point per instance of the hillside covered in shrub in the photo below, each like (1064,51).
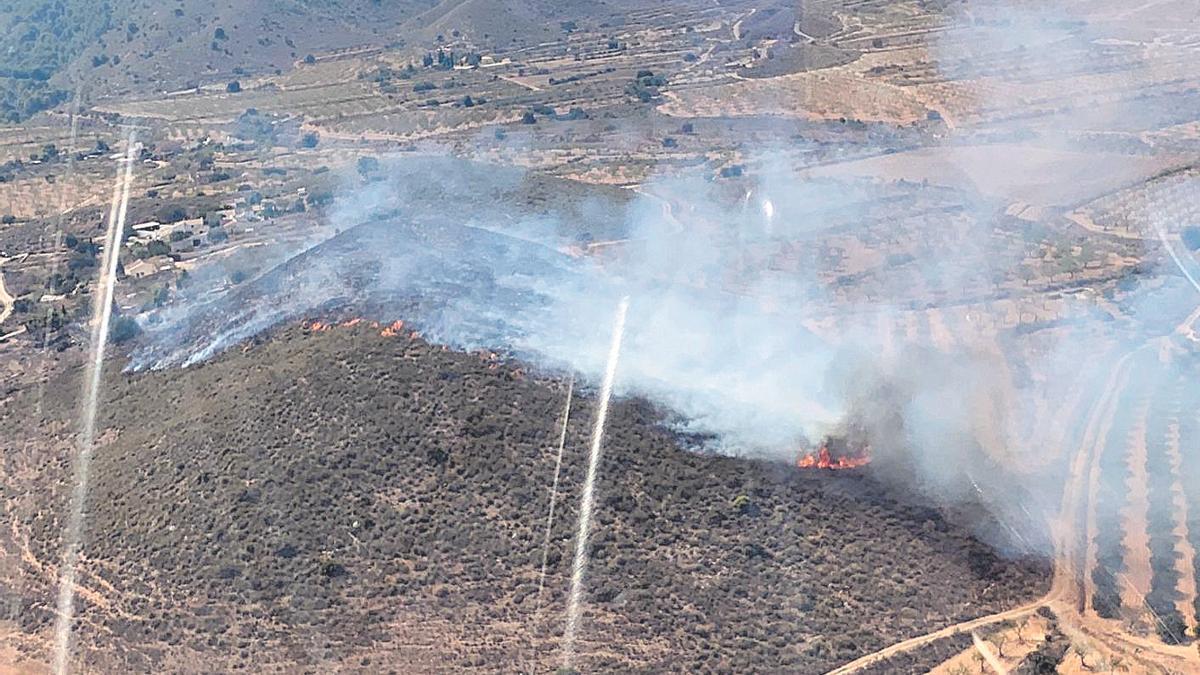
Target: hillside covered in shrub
(342,498)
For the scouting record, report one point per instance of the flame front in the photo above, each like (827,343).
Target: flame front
(821,459)
(391,330)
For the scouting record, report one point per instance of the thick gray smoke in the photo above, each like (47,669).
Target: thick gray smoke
(755,310)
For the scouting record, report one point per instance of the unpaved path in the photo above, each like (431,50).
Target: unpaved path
(921,640)
(5,299)
(737,25)
(1011,646)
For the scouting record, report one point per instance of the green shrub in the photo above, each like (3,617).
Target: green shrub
(123,329)
(367,166)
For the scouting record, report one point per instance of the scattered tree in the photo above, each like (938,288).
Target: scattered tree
(320,197)
(1191,237)
(123,329)
(367,166)
(157,247)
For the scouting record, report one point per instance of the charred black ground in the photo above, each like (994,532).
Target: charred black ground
(345,499)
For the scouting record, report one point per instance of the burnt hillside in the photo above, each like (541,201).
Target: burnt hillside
(345,499)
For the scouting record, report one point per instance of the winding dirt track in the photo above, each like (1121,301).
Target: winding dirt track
(919,641)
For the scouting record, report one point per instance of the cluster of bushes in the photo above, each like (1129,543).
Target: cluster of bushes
(1191,237)
(1189,441)
(47,328)
(1164,582)
(21,98)
(155,247)
(123,329)
(83,253)
(645,86)
(257,128)
(580,76)
(1110,498)
(384,76)
(445,59)
(530,116)
(1049,654)
(377,475)
(45,36)
(1113,491)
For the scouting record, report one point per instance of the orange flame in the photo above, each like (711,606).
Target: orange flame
(823,460)
(392,330)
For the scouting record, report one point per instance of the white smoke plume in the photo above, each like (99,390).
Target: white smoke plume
(742,327)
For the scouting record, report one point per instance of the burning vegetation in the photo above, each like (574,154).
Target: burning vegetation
(439,428)
(391,330)
(835,453)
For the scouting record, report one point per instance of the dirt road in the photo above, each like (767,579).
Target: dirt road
(921,640)
(5,299)
(737,25)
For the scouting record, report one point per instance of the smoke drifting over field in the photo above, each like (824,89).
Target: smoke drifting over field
(716,331)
